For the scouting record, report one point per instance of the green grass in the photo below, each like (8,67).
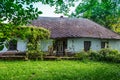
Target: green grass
(58,70)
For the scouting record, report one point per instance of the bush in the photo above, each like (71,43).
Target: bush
(109,55)
(94,55)
(35,54)
(81,55)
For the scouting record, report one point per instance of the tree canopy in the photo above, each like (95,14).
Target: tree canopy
(20,12)
(104,12)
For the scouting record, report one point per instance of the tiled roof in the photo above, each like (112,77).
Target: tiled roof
(74,27)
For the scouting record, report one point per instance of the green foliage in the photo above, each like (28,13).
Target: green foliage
(1,44)
(58,70)
(7,31)
(1,47)
(35,54)
(34,51)
(81,55)
(63,6)
(94,55)
(109,55)
(32,33)
(104,12)
(16,12)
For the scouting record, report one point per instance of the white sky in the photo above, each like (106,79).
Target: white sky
(49,11)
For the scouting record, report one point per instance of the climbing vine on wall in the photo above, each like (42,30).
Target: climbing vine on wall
(32,34)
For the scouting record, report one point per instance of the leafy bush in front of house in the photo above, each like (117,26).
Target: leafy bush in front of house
(93,55)
(109,55)
(34,51)
(81,55)
(35,54)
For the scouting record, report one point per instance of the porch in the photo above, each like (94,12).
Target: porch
(12,55)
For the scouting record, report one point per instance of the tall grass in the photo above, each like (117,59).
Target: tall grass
(58,70)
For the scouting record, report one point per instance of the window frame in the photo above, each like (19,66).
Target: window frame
(87,45)
(104,44)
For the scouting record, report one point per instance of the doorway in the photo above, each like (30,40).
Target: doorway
(60,45)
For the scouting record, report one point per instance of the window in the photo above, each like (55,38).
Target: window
(13,44)
(104,44)
(87,45)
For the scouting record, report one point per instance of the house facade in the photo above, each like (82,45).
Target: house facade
(74,45)
(73,35)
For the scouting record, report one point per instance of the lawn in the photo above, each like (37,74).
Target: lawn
(58,70)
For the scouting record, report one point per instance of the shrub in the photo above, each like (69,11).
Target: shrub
(109,55)
(35,54)
(34,51)
(94,55)
(81,55)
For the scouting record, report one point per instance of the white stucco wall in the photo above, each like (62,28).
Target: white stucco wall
(45,44)
(73,44)
(114,44)
(77,44)
(21,45)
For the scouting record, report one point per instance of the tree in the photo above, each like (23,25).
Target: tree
(104,12)
(19,12)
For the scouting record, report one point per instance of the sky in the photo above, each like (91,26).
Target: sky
(49,11)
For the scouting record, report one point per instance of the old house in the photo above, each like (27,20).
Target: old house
(73,35)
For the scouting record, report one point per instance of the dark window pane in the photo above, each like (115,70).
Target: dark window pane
(104,44)
(87,45)
(13,45)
